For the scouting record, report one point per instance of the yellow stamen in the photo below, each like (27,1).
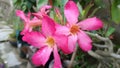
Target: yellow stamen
(50,41)
(74,29)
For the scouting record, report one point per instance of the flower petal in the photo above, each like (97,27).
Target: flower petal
(62,43)
(72,40)
(62,30)
(29,15)
(45,9)
(30,24)
(26,29)
(57,61)
(35,22)
(41,56)
(91,24)
(71,12)
(21,15)
(35,39)
(84,41)
(48,26)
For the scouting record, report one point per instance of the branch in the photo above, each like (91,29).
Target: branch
(73,57)
(115,55)
(97,36)
(107,41)
(95,55)
(100,46)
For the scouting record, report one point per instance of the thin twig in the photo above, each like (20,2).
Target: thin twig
(97,36)
(100,46)
(115,55)
(107,41)
(95,55)
(73,57)
(99,65)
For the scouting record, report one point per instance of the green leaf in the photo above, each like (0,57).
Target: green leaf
(41,3)
(87,9)
(14,1)
(64,2)
(28,5)
(24,7)
(80,8)
(110,31)
(56,3)
(115,11)
(95,10)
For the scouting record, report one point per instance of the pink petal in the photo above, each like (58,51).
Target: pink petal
(21,15)
(91,24)
(41,56)
(62,43)
(45,9)
(30,24)
(38,15)
(26,29)
(72,40)
(84,41)
(57,61)
(36,22)
(62,30)
(48,26)
(35,39)
(29,15)
(71,12)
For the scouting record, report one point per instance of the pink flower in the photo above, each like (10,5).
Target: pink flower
(43,11)
(75,30)
(35,21)
(47,41)
(28,24)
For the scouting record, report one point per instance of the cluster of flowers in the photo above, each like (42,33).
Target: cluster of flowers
(52,35)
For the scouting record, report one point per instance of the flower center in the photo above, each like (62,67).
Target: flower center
(50,41)
(74,29)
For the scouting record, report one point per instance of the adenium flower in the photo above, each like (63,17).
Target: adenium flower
(43,11)
(28,24)
(35,21)
(75,30)
(47,42)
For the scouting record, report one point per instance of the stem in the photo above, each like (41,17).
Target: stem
(72,58)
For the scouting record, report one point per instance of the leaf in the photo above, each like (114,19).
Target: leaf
(94,11)
(41,3)
(28,4)
(115,11)
(14,1)
(110,31)
(80,8)
(87,9)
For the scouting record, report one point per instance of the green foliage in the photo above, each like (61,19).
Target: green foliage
(41,3)
(100,3)
(84,60)
(25,5)
(109,31)
(86,10)
(115,11)
(80,8)
(85,2)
